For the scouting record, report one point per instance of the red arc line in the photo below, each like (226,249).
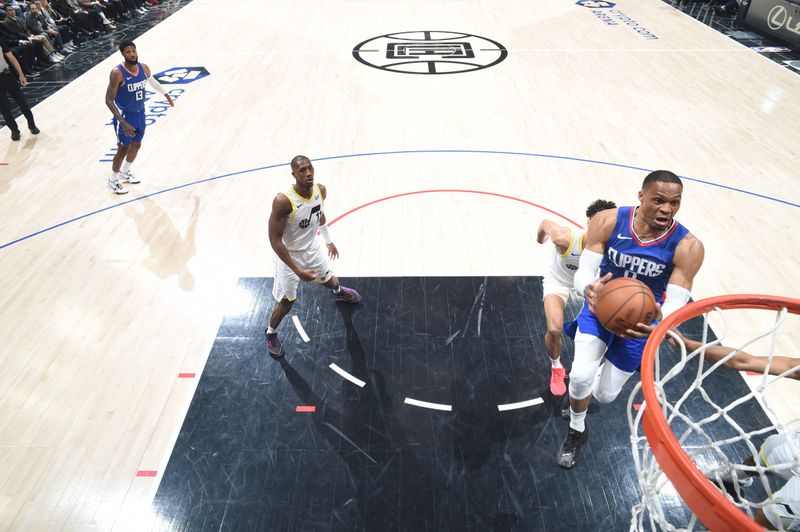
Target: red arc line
(351,211)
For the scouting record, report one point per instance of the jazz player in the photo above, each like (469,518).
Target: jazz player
(297,215)
(644,242)
(125,97)
(557,285)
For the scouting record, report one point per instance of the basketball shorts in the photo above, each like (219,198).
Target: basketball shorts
(552,286)
(623,353)
(135,119)
(286,281)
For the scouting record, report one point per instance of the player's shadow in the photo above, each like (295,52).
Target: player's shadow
(169,252)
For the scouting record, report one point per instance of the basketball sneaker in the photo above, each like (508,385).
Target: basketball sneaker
(274,344)
(557,385)
(348,295)
(567,456)
(117,187)
(130,178)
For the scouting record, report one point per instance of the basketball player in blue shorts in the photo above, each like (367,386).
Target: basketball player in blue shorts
(125,97)
(643,242)
(297,216)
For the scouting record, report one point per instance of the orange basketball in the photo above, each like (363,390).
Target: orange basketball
(623,303)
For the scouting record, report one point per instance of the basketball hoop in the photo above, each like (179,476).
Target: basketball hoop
(688,426)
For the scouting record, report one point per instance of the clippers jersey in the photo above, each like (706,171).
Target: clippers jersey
(563,266)
(650,262)
(301,229)
(130,94)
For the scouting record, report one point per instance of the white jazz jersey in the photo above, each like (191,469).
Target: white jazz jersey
(301,229)
(563,266)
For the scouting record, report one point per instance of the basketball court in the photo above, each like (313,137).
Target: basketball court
(136,390)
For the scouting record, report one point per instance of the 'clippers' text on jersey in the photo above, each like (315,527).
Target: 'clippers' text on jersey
(649,262)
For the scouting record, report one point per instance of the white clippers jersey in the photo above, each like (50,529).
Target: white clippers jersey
(301,228)
(563,267)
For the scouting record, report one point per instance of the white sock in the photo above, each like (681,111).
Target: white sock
(556,363)
(270,330)
(115,177)
(126,166)
(577,420)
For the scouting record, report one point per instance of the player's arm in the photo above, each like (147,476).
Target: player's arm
(278,218)
(597,236)
(333,253)
(688,258)
(156,85)
(743,361)
(111,92)
(559,235)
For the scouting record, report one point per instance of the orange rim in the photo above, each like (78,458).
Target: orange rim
(700,495)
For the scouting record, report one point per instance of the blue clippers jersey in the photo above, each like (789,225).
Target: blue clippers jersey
(649,262)
(130,94)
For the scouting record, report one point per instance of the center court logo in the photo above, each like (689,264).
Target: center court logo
(429,52)
(155,106)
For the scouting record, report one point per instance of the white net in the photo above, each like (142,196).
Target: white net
(720,422)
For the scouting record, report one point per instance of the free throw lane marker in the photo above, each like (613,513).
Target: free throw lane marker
(343,373)
(425,404)
(300,329)
(521,404)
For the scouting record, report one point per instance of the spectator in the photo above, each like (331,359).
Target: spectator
(17,25)
(60,34)
(34,26)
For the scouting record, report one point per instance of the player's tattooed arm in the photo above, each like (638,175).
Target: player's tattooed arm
(115,80)
(278,218)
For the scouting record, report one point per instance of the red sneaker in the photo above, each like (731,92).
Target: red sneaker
(557,385)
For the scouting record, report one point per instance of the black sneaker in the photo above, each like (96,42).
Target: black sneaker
(15,134)
(567,456)
(34,130)
(274,344)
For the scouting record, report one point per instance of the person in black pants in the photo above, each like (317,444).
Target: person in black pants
(11,77)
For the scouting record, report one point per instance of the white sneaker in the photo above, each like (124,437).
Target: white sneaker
(130,178)
(117,187)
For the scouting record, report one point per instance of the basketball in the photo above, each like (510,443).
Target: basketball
(625,302)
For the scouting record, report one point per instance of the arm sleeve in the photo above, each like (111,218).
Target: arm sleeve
(677,296)
(156,85)
(323,230)
(587,269)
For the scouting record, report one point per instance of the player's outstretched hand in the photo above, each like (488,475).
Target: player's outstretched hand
(307,275)
(333,253)
(594,289)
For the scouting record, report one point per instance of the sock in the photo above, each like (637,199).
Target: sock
(577,420)
(126,166)
(270,330)
(556,363)
(115,177)
(338,290)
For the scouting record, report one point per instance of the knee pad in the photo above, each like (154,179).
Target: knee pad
(581,382)
(604,396)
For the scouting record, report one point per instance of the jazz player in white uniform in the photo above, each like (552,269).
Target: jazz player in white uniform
(297,215)
(557,285)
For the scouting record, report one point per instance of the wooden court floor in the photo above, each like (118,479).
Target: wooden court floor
(111,304)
